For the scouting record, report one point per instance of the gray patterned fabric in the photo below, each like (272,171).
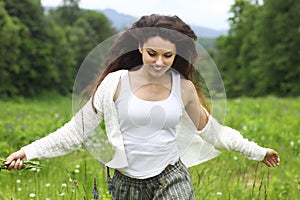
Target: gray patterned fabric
(174,183)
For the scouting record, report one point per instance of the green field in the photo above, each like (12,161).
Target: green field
(271,122)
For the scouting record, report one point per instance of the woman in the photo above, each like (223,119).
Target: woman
(156,117)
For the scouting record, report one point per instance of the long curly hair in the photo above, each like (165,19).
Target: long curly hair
(124,54)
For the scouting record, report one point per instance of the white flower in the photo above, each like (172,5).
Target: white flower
(62,194)
(47,184)
(19,189)
(292,143)
(76,171)
(18,181)
(77,166)
(70,179)
(219,193)
(245,127)
(33,169)
(235,157)
(64,185)
(47,198)
(32,195)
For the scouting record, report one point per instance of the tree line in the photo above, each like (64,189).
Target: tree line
(261,53)
(41,50)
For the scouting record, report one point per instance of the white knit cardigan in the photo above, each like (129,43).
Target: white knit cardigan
(194,146)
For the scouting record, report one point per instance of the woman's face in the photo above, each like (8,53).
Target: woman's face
(158,55)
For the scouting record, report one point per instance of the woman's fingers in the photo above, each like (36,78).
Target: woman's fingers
(11,165)
(18,164)
(14,161)
(272,158)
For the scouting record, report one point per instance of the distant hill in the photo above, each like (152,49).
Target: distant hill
(120,20)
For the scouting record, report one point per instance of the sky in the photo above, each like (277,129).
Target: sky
(208,13)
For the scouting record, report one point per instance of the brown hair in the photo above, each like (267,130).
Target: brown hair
(124,53)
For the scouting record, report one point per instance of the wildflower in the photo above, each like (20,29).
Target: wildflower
(47,184)
(19,189)
(62,194)
(47,198)
(77,166)
(33,169)
(95,191)
(18,181)
(219,193)
(64,185)
(32,195)
(9,127)
(76,171)
(23,128)
(292,143)
(56,115)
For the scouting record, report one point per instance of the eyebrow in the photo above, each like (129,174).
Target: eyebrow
(167,51)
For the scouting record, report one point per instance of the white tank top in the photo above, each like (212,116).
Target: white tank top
(148,129)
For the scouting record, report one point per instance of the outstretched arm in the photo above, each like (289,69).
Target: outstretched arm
(223,137)
(64,140)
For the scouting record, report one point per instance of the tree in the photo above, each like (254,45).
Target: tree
(236,51)
(68,13)
(280,47)
(10,41)
(260,55)
(34,61)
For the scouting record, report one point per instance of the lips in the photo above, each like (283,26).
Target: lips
(157,68)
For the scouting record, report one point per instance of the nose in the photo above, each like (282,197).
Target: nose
(159,61)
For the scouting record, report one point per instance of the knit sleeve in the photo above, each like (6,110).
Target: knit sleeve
(226,138)
(67,138)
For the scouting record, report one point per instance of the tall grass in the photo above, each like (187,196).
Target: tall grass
(271,122)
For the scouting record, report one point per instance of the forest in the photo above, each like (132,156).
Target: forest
(42,50)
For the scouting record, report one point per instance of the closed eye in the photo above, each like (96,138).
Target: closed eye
(151,53)
(168,55)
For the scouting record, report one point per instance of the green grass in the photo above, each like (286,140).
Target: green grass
(271,122)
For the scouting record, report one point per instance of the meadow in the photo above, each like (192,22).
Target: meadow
(270,121)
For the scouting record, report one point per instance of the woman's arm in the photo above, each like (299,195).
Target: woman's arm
(222,137)
(64,140)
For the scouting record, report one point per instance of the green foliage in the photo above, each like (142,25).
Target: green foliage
(260,55)
(43,51)
(280,46)
(9,43)
(271,122)
(26,165)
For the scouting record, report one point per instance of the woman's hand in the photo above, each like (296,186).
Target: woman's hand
(271,158)
(14,161)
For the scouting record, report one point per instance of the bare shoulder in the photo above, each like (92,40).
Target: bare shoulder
(188,91)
